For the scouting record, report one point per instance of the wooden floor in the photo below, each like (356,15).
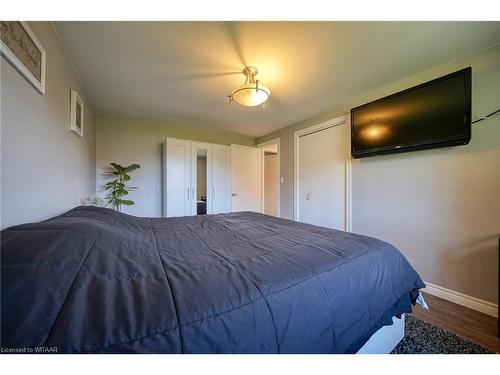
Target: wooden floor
(462,321)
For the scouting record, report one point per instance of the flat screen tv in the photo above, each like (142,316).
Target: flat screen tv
(431,115)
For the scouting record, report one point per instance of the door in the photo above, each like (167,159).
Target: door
(177,173)
(221,182)
(321,180)
(201,178)
(246,179)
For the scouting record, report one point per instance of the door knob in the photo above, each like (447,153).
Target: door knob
(308,196)
(234,194)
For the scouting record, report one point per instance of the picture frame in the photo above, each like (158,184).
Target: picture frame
(22,49)
(76,113)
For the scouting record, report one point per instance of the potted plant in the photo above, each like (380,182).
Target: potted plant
(118,188)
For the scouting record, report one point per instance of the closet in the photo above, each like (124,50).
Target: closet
(196,178)
(321,179)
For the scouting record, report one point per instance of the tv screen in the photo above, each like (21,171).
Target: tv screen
(430,115)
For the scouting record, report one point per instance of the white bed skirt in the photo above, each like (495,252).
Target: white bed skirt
(386,338)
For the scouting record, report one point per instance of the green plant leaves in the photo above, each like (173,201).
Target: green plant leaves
(132,167)
(117,167)
(118,187)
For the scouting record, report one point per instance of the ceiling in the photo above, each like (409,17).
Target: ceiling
(182,72)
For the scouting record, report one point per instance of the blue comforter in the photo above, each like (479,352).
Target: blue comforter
(95,280)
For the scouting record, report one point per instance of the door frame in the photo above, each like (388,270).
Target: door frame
(341,120)
(278,197)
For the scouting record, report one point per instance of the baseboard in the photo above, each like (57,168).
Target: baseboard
(462,299)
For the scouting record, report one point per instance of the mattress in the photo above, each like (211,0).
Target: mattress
(98,281)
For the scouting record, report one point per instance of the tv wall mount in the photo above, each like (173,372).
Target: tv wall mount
(486,117)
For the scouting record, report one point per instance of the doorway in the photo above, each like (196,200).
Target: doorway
(271,179)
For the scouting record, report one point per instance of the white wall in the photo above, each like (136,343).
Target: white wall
(46,169)
(440,207)
(128,140)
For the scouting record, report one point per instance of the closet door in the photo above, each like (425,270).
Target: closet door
(201,178)
(177,199)
(221,178)
(322,177)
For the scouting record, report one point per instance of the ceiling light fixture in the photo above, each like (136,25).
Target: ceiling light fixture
(252,93)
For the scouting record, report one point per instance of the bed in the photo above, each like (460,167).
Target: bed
(98,281)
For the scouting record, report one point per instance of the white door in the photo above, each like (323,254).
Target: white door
(201,178)
(246,179)
(177,184)
(321,180)
(221,182)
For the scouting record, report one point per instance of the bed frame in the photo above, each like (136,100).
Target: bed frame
(386,338)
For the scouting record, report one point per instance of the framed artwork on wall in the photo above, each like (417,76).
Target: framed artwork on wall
(20,46)
(76,113)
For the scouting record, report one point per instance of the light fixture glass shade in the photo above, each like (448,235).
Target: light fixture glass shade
(252,93)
